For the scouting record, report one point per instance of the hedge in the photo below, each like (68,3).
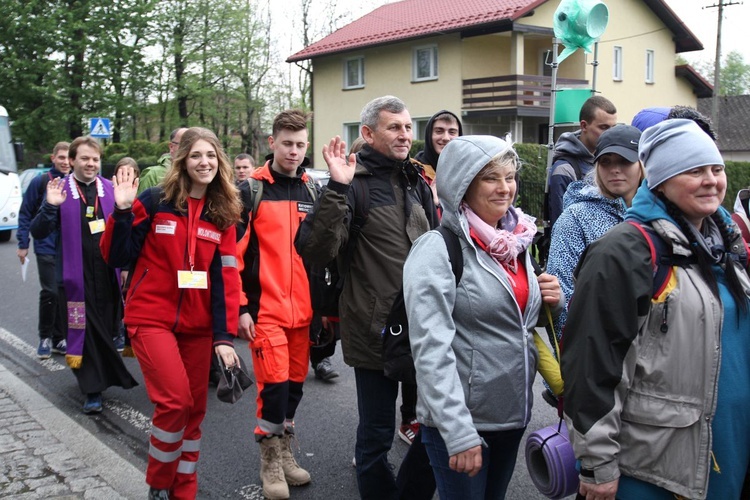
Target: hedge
(141,148)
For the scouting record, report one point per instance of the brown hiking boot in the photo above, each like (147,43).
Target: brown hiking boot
(294,474)
(271,472)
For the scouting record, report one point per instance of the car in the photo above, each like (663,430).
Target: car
(29,174)
(320,177)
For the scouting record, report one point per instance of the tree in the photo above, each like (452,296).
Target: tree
(28,75)
(734,77)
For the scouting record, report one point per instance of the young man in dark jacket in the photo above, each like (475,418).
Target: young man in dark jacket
(52,316)
(573,156)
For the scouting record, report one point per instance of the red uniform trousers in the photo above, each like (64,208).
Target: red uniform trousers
(175,367)
(280,360)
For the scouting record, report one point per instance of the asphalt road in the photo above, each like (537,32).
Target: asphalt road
(229,464)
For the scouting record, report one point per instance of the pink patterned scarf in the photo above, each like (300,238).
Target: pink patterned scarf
(504,245)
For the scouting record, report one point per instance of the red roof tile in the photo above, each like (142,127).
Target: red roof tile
(411,19)
(414,18)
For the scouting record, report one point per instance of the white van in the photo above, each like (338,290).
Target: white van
(10,185)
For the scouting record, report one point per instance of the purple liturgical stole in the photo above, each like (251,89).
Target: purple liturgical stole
(72,257)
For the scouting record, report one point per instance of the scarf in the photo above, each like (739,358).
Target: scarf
(72,259)
(504,244)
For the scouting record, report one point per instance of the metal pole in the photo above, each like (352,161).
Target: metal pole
(552,103)
(595,64)
(717,71)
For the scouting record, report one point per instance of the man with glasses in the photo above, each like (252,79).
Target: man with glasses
(152,176)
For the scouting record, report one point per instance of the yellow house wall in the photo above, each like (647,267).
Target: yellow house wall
(632,25)
(388,71)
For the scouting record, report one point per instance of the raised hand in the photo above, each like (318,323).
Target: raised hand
(341,167)
(126,187)
(56,193)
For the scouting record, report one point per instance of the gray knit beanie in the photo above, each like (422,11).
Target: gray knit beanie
(673,147)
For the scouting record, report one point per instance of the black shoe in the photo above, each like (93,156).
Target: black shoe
(324,370)
(154,494)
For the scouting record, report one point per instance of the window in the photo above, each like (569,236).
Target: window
(617,64)
(649,66)
(351,132)
(425,63)
(354,73)
(420,124)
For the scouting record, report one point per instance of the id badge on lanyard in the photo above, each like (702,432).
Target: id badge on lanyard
(191,278)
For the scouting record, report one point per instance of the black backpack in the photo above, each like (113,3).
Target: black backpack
(327,282)
(398,363)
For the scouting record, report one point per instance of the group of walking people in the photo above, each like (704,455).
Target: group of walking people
(656,381)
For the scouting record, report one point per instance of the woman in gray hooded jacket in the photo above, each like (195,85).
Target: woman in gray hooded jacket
(472,342)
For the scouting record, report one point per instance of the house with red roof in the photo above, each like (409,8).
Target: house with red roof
(489,62)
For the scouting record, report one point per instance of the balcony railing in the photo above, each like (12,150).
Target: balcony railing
(512,92)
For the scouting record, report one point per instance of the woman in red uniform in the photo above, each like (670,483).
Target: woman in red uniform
(183,296)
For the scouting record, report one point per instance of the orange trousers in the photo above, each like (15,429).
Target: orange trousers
(280,362)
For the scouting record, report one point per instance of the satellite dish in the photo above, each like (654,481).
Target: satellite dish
(578,24)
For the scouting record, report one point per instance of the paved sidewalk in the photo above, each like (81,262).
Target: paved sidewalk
(45,454)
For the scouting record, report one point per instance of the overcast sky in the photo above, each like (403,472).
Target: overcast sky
(701,21)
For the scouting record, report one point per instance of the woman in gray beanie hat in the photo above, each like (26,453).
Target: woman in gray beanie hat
(657,382)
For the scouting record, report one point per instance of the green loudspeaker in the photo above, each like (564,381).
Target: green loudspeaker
(579,23)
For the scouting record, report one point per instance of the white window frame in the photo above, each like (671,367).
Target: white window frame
(617,63)
(360,73)
(650,65)
(418,126)
(433,70)
(351,132)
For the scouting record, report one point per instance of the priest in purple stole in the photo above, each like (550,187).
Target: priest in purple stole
(79,205)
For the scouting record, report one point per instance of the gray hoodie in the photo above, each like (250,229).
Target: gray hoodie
(472,345)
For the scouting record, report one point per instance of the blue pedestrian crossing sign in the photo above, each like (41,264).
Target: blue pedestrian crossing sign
(99,128)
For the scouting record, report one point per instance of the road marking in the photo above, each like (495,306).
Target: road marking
(251,492)
(122,410)
(29,351)
(129,414)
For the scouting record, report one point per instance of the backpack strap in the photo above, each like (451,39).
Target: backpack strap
(456,257)
(660,257)
(256,193)
(311,188)
(360,198)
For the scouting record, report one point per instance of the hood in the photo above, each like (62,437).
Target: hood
(585,192)
(569,144)
(741,202)
(428,155)
(461,161)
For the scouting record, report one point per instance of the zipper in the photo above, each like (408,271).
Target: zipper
(520,317)
(135,287)
(664,328)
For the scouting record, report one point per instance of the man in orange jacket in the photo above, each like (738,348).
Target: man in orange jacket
(275,308)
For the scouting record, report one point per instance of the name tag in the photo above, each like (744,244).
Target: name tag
(165,227)
(304,208)
(96,226)
(90,212)
(209,234)
(192,279)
